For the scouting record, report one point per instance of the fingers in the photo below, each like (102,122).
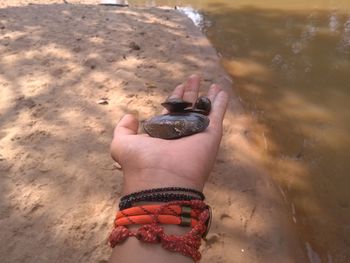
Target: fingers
(128,125)
(176,94)
(191,88)
(219,99)
(187,91)
(213,91)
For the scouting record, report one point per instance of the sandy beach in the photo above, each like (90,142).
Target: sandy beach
(68,72)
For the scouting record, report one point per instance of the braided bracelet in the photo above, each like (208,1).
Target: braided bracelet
(174,210)
(162,219)
(155,197)
(187,244)
(165,189)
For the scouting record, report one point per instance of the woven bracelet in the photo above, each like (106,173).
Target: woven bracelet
(165,189)
(155,197)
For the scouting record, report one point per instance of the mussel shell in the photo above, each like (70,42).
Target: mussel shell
(176,105)
(172,126)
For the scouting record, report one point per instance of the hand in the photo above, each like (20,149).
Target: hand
(152,162)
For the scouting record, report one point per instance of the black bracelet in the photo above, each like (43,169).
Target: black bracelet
(165,189)
(155,197)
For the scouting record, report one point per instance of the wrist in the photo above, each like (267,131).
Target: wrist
(157,178)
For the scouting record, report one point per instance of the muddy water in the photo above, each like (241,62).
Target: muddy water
(291,65)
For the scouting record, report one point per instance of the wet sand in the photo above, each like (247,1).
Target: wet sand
(58,184)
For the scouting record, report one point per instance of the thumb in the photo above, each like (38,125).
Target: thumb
(128,125)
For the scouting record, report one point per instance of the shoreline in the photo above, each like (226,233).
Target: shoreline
(58,185)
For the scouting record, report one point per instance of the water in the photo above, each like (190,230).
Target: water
(291,65)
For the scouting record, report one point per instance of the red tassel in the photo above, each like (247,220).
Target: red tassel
(150,233)
(118,235)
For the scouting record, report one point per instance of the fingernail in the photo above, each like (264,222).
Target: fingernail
(194,76)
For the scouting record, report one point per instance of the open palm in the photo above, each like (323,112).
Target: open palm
(152,162)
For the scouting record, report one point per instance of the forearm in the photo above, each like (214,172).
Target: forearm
(138,180)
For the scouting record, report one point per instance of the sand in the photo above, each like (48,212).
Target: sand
(58,184)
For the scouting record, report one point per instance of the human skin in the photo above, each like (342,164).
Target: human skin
(152,162)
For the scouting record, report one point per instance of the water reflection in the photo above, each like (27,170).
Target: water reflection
(344,44)
(333,23)
(291,63)
(291,70)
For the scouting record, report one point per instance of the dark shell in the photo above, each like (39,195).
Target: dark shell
(203,104)
(176,105)
(172,126)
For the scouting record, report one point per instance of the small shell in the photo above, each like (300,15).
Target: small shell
(172,126)
(203,104)
(176,105)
